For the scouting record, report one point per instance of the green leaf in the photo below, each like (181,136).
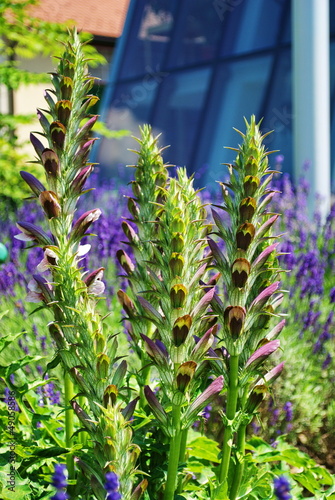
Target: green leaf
(204,448)
(8,339)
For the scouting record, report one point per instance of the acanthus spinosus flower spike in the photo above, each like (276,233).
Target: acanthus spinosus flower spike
(250,270)
(89,361)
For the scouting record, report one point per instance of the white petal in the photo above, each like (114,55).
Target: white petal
(33,286)
(34,297)
(50,253)
(83,250)
(42,266)
(96,288)
(24,237)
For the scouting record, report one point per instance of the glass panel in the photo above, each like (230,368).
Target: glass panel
(197,34)
(251,25)
(129,108)
(148,37)
(332,16)
(241,95)
(278,115)
(177,116)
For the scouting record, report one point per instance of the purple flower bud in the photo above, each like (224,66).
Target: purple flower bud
(30,232)
(154,351)
(80,179)
(38,146)
(204,343)
(201,401)
(85,129)
(262,353)
(50,204)
(83,152)
(93,282)
(43,121)
(50,162)
(128,411)
(203,303)
(35,185)
(263,256)
(125,261)
(156,407)
(264,296)
(150,311)
(84,222)
(126,303)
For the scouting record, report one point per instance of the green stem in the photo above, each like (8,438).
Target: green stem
(174,454)
(239,462)
(69,425)
(82,435)
(182,453)
(145,376)
(232,396)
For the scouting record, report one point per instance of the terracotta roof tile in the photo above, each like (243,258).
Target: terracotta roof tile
(99,17)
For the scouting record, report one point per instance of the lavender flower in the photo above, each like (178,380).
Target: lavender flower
(59,481)
(288,409)
(282,488)
(112,486)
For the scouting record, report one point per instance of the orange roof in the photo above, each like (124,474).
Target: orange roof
(99,17)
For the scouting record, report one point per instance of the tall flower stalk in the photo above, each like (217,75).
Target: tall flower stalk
(250,272)
(170,262)
(86,351)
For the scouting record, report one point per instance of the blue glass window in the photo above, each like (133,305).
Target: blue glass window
(196,35)
(251,25)
(149,37)
(278,113)
(130,107)
(178,111)
(238,91)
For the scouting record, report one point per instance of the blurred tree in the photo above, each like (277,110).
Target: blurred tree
(24,36)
